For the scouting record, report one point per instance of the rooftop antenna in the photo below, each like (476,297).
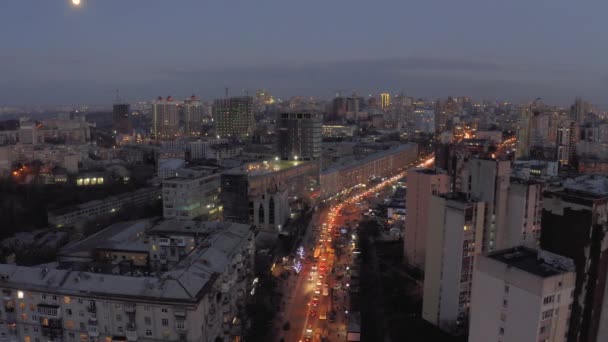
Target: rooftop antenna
(117,95)
(226,92)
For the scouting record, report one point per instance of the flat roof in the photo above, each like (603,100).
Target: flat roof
(531,261)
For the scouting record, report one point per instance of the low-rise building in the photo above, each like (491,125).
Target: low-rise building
(191,193)
(82,213)
(200,298)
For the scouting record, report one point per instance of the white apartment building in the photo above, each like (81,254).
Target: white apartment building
(521,294)
(454,239)
(524,215)
(191,193)
(421,185)
(488,180)
(201,298)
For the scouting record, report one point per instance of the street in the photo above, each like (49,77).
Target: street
(318,301)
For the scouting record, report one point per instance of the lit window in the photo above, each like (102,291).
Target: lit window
(20,294)
(67,299)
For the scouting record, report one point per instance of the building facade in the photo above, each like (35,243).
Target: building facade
(421,185)
(521,294)
(454,238)
(191,193)
(299,136)
(165,118)
(574,224)
(234,117)
(201,298)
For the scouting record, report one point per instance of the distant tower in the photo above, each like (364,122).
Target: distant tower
(120,116)
(385,100)
(234,117)
(299,136)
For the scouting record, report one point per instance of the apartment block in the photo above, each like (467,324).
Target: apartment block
(521,294)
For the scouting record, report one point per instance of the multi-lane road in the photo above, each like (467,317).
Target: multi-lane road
(318,298)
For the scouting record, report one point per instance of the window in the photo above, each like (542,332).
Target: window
(118,318)
(20,294)
(54,297)
(547,314)
(69,324)
(506,288)
(148,320)
(82,326)
(81,313)
(165,310)
(505,303)
(79,300)
(67,299)
(68,312)
(165,322)
(148,332)
(180,325)
(503,316)
(501,331)
(548,299)
(120,330)
(542,330)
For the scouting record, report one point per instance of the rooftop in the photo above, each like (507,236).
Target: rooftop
(265,167)
(539,263)
(588,184)
(186,282)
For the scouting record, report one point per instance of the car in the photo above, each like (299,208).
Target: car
(317,290)
(312,313)
(319,283)
(337,286)
(323,315)
(311,277)
(308,331)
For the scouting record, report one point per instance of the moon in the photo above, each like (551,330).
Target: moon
(76,2)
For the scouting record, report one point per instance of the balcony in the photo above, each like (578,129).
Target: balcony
(92,331)
(179,312)
(130,308)
(91,309)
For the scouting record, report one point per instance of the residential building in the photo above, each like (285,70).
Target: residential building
(121,113)
(421,185)
(299,136)
(488,180)
(199,298)
(192,193)
(521,294)
(454,238)
(192,116)
(524,214)
(566,142)
(165,118)
(234,117)
(574,224)
(88,211)
(381,164)
(385,101)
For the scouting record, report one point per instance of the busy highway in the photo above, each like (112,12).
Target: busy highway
(326,269)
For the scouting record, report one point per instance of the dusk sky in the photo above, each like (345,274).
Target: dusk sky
(53,53)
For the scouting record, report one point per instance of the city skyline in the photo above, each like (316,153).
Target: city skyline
(516,51)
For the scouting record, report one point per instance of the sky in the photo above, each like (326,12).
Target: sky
(55,53)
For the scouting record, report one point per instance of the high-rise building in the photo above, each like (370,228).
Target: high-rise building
(385,101)
(488,180)
(192,111)
(165,118)
(524,132)
(421,185)
(299,136)
(441,117)
(574,224)
(579,111)
(524,214)
(454,237)
(234,117)
(566,142)
(521,294)
(121,118)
